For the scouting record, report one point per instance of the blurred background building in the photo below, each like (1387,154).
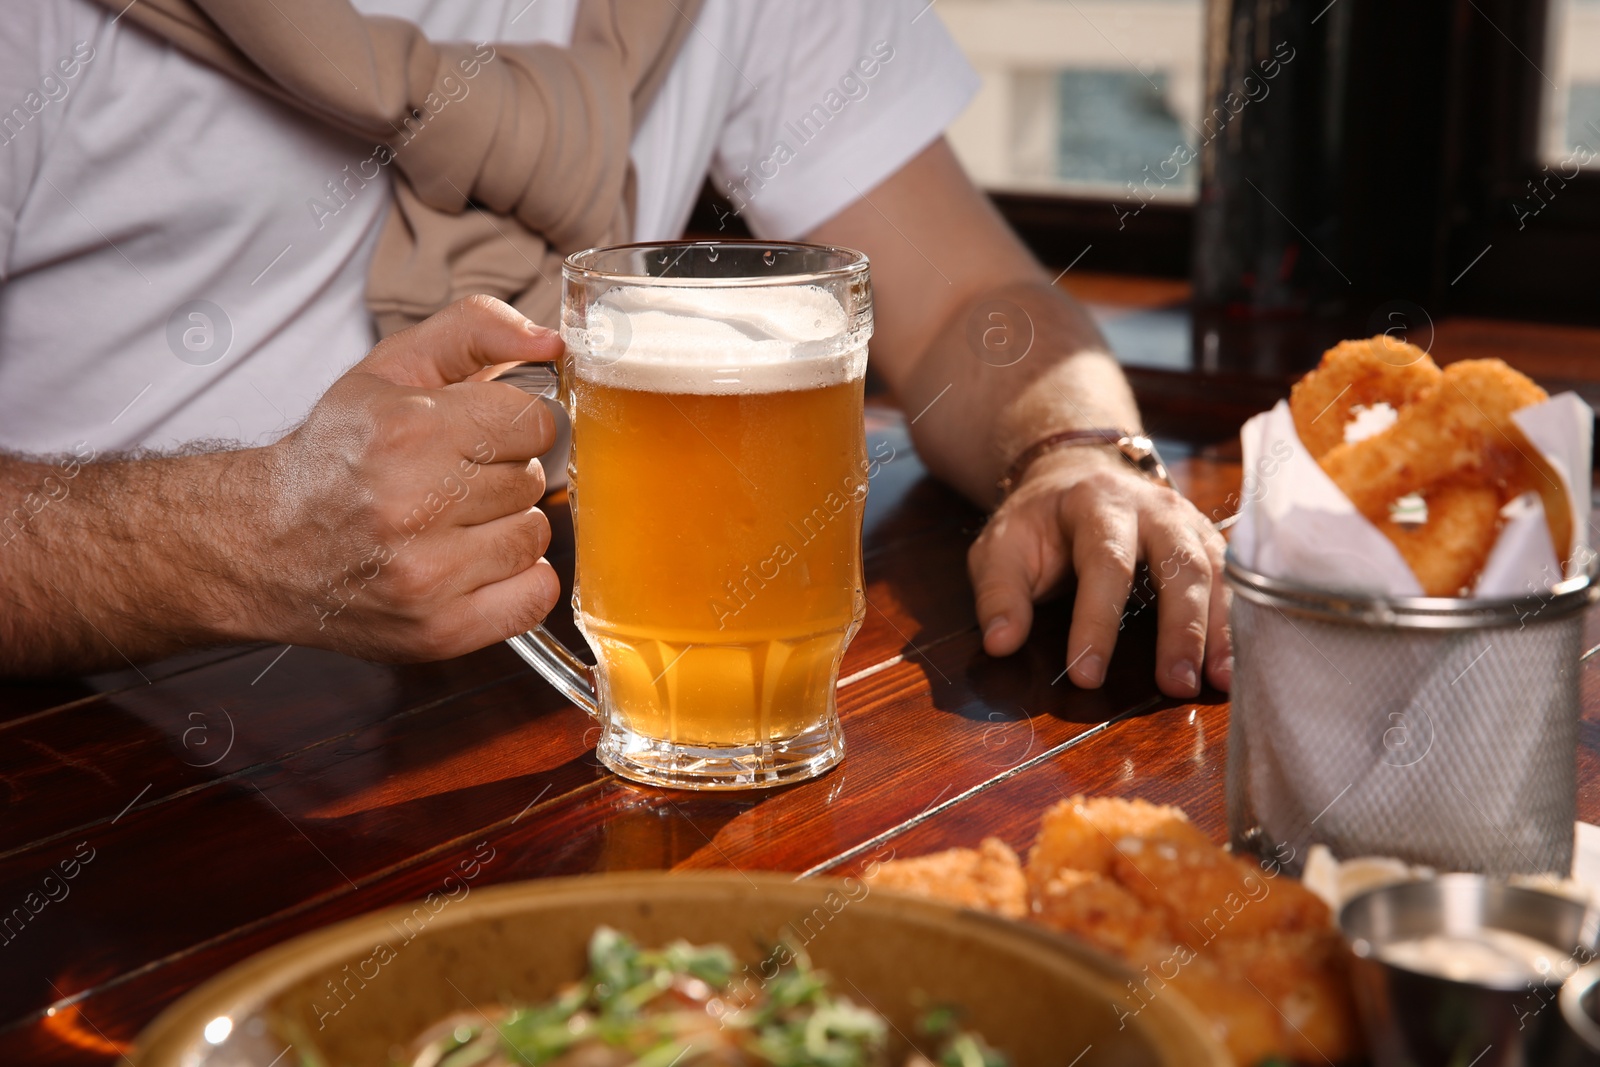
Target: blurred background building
(1572,106)
(1079,96)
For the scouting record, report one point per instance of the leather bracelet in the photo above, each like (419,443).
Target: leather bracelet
(1136,448)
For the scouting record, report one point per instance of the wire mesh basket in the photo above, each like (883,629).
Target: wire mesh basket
(1439,732)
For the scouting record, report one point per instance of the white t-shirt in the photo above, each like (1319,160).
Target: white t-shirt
(135,182)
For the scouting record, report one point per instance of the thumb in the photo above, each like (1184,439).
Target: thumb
(459,341)
(1004,564)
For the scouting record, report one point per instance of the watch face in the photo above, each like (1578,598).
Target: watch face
(1141,451)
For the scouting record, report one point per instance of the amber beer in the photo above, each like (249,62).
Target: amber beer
(719,546)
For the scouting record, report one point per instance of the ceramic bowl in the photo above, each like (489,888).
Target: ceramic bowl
(356,993)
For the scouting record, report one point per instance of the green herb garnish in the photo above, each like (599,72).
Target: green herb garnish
(693,1006)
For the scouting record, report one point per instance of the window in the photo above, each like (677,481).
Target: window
(1522,214)
(1079,97)
(1082,101)
(1447,152)
(1570,130)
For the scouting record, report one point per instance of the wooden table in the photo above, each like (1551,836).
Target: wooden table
(215,805)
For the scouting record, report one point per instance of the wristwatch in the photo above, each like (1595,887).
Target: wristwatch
(1137,448)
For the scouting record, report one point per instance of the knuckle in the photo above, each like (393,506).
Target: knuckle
(1198,567)
(1197,603)
(1086,491)
(1221,638)
(549,593)
(476,306)
(517,551)
(991,595)
(403,419)
(540,602)
(1114,558)
(1193,630)
(539,523)
(412,579)
(435,640)
(522,495)
(393,516)
(409,515)
(1096,498)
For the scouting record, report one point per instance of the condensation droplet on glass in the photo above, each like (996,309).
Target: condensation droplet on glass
(711,255)
(769,257)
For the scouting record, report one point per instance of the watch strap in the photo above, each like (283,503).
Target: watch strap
(1137,448)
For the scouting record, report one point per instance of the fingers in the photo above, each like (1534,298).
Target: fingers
(517,604)
(495,551)
(1181,569)
(1004,566)
(459,341)
(484,584)
(499,490)
(495,421)
(1104,551)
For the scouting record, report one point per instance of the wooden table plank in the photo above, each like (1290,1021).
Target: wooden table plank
(206,725)
(27,698)
(1170,756)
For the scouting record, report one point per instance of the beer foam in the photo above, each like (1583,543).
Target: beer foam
(682,339)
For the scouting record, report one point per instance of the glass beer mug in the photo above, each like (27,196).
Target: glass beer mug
(718,475)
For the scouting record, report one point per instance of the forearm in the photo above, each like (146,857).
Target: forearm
(103,564)
(1007,368)
(987,357)
(958,299)
(397,522)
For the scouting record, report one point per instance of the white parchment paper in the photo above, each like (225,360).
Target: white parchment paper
(1295,524)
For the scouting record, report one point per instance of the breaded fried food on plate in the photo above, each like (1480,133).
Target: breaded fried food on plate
(1082,833)
(1209,895)
(1254,950)
(988,878)
(1094,907)
(1303,975)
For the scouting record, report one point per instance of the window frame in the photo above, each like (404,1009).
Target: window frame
(1535,265)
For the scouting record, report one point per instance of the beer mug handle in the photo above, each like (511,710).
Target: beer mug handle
(572,678)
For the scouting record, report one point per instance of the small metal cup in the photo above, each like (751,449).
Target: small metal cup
(1580,1011)
(1415,1019)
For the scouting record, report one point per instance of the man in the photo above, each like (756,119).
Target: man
(192,452)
